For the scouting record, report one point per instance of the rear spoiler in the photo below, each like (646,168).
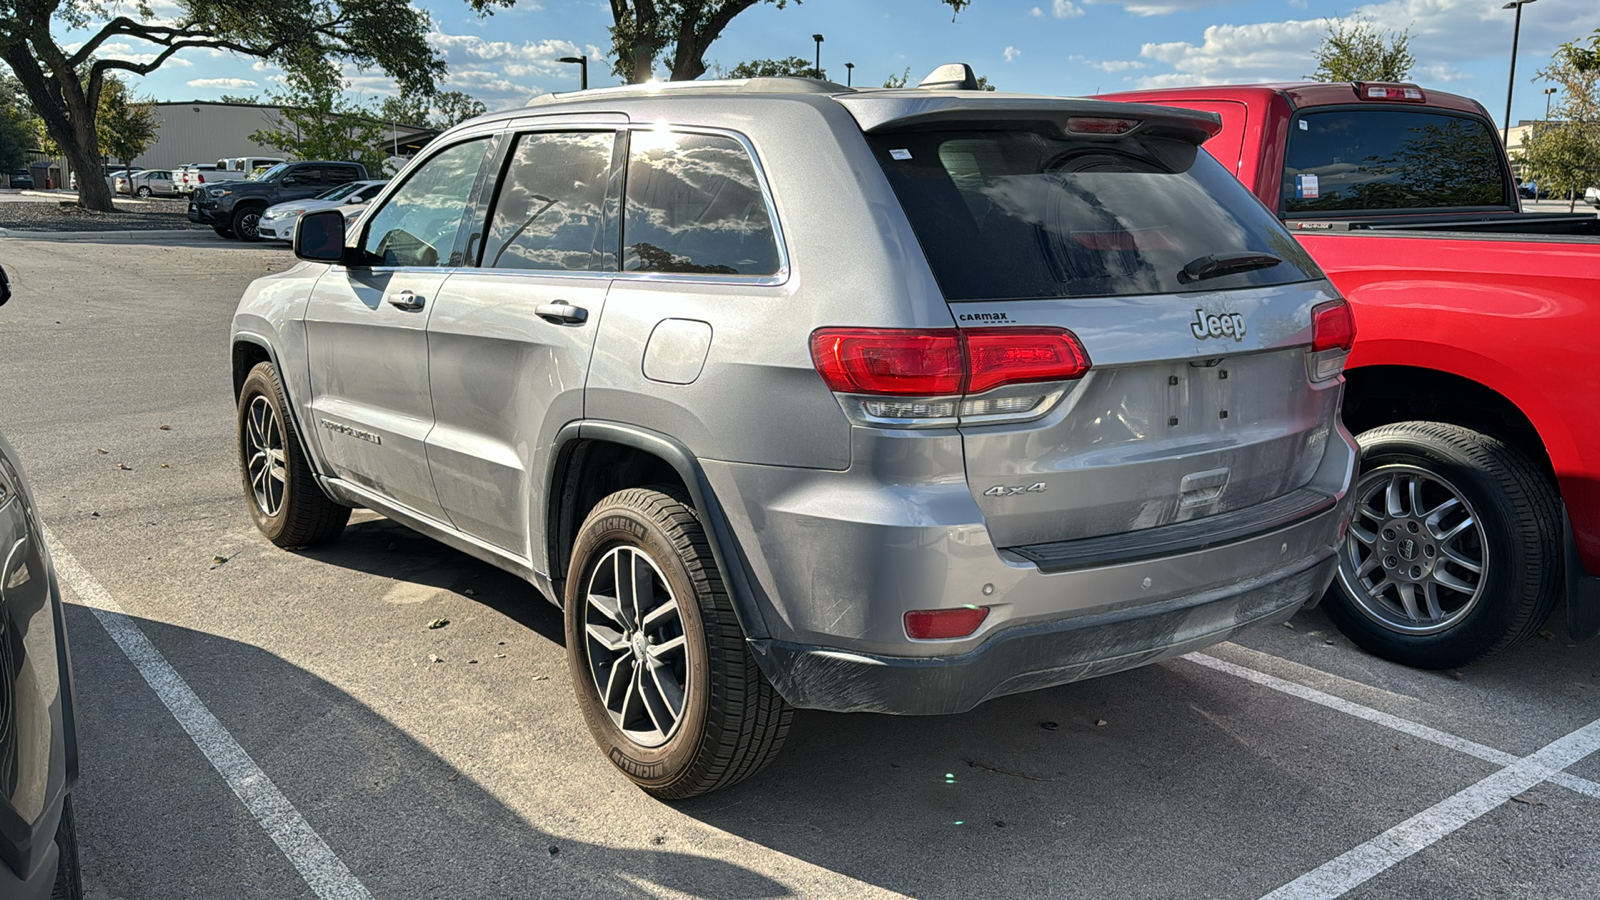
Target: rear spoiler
(924,110)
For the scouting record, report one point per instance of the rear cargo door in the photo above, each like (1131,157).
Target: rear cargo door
(1192,302)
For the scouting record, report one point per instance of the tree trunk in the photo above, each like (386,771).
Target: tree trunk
(82,152)
(67,113)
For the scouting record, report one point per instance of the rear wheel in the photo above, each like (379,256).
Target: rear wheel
(658,660)
(245,223)
(284,499)
(144,191)
(1452,554)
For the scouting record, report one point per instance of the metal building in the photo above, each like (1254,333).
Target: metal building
(202,131)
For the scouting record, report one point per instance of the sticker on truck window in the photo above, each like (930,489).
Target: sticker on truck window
(1305,187)
(900,154)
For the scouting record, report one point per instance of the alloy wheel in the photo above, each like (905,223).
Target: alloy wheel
(249,226)
(265,464)
(637,651)
(1415,556)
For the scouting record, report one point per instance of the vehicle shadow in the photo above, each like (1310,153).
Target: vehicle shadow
(156,820)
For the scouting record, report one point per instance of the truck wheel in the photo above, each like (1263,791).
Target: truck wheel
(284,499)
(1453,551)
(222,231)
(245,222)
(69,874)
(658,661)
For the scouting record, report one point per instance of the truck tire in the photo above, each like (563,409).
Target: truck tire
(245,221)
(1453,553)
(284,498)
(667,686)
(222,231)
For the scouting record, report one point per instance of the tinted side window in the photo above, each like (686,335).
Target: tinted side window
(339,174)
(420,222)
(549,212)
(1390,159)
(694,205)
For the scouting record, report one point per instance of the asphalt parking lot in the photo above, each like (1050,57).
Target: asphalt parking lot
(264,724)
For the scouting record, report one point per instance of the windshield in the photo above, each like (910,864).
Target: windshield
(270,174)
(343,190)
(1012,214)
(1391,159)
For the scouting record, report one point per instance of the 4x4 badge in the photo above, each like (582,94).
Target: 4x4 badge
(1001,490)
(1224,325)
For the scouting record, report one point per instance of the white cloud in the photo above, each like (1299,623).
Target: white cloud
(505,73)
(234,83)
(1036,12)
(1064,9)
(1161,7)
(131,53)
(1012,53)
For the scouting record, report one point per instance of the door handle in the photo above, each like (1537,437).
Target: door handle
(406,300)
(561,313)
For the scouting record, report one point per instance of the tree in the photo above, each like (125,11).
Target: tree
(319,122)
(1564,155)
(245,99)
(16,132)
(793,67)
(898,81)
(455,107)
(63,81)
(127,126)
(438,111)
(683,30)
(1357,50)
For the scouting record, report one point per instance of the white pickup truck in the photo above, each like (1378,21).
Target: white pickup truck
(231,169)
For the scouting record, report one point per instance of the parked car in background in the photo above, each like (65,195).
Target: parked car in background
(120,181)
(234,208)
(1592,196)
(109,173)
(1530,190)
(38,722)
(21,179)
(1091,424)
(191,176)
(277,223)
(153,182)
(1472,388)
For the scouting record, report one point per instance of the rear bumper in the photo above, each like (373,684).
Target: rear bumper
(1032,657)
(39,884)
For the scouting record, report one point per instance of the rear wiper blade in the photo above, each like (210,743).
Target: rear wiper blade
(1212,265)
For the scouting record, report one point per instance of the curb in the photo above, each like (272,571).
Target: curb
(99,235)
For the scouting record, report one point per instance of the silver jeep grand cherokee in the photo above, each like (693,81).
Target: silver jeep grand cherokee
(793,395)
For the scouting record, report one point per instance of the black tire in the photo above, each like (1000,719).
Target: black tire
(1515,508)
(144,191)
(69,877)
(222,231)
(285,500)
(732,722)
(245,222)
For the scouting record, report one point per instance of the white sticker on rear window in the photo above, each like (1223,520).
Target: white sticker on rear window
(900,154)
(1305,187)
(1304,126)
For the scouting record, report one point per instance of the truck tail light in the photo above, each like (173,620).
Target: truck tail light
(202,177)
(936,624)
(1404,93)
(1095,125)
(928,377)
(1333,333)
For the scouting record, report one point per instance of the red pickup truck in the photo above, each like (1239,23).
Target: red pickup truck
(1474,383)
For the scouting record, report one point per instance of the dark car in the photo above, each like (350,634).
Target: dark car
(234,208)
(21,179)
(38,734)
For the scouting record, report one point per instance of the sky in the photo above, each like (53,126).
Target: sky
(1062,47)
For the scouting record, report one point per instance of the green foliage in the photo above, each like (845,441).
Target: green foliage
(454,107)
(1356,50)
(16,130)
(983,83)
(319,122)
(793,66)
(438,111)
(898,81)
(1563,155)
(245,99)
(127,125)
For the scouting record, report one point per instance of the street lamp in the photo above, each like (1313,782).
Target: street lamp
(1511,82)
(849,72)
(1547,93)
(583,61)
(818,39)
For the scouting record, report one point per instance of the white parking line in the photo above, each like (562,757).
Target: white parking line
(326,874)
(1426,828)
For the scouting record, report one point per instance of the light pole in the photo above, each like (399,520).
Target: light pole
(1547,93)
(583,62)
(849,73)
(818,39)
(1511,82)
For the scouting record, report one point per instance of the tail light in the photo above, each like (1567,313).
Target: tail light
(940,376)
(1404,93)
(936,624)
(1333,333)
(1095,125)
(201,177)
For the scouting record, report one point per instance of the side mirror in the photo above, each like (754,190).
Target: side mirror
(5,286)
(319,236)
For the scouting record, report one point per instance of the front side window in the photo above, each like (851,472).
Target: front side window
(695,206)
(550,208)
(1367,159)
(420,223)
(270,174)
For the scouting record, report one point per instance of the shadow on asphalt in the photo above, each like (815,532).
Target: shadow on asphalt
(149,798)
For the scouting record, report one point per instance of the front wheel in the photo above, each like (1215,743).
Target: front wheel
(1453,551)
(245,223)
(658,660)
(284,499)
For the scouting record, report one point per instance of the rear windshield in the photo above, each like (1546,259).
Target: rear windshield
(1013,214)
(1390,159)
